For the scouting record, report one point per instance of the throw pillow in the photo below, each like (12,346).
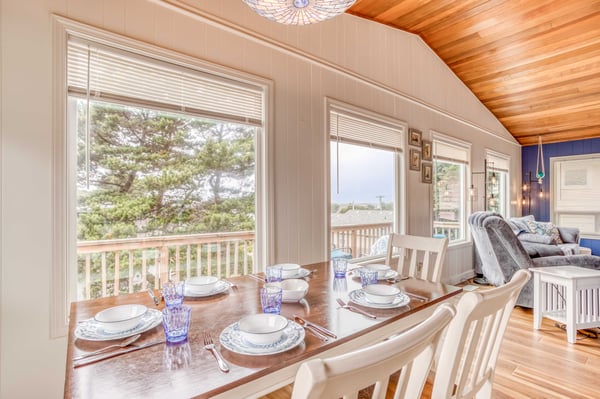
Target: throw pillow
(545,228)
(521,224)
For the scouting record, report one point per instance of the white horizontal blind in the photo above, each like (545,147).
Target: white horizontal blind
(359,129)
(497,163)
(119,76)
(444,151)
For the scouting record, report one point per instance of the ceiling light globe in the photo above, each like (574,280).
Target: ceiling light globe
(299,12)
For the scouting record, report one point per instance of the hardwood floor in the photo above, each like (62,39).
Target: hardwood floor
(536,364)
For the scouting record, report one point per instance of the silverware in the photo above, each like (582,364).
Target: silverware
(307,323)
(315,332)
(397,279)
(154,297)
(354,309)
(122,344)
(116,353)
(233,286)
(209,345)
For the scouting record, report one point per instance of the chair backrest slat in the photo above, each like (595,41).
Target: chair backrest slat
(411,352)
(468,356)
(410,250)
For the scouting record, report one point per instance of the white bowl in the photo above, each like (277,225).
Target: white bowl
(262,328)
(293,289)
(289,270)
(383,294)
(120,318)
(382,270)
(201,284)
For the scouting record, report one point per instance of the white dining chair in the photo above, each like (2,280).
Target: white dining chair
(415,256)
(469,350)
(345,375)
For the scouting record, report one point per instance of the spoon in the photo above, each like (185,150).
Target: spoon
(122,344)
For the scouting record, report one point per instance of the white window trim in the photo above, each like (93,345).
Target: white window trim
(554,185)
(437,136)
(498,155)
(400,177)
(63,214)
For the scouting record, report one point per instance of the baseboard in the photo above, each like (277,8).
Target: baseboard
(462,277)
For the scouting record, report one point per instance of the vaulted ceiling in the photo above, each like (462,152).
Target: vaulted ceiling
(534,63)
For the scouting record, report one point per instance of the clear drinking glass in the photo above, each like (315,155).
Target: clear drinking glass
(173,293)
(340,267)
(176,323)
(270,298)
(274,273)
(367,276)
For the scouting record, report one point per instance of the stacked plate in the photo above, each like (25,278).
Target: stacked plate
(262,334)
(118,322)
(203,286)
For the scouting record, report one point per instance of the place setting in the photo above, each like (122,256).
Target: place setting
(375,295)
(266,333)
(129,322)
(205,286)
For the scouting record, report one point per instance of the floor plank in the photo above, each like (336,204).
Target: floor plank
(536,364)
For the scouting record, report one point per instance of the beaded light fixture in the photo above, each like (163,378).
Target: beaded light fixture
(299,12)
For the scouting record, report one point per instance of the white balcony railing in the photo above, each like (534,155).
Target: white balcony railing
(113,267)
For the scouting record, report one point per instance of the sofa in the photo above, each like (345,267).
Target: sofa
(543,238)
(502,254)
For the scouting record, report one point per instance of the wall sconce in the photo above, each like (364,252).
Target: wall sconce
(527,191)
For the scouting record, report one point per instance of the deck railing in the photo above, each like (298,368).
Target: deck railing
(113,267)
(359,238)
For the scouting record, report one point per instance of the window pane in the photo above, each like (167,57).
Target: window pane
(449,200)
(153,188)
(497,192)
(362,210)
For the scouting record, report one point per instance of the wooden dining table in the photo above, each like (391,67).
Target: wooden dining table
(188,370)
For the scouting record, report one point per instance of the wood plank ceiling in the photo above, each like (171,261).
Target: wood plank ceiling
(534,63)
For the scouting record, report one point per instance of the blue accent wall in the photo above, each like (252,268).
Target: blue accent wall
(541,208)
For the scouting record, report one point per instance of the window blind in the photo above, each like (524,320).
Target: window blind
(444,151)
(362,130)
(120,76)
(497,163)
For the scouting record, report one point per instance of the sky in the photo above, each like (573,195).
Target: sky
(364,174)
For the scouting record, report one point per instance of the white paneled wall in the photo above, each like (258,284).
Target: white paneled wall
(355,61)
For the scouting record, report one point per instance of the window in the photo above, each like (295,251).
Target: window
(165,161)
(497,183)
(450,161)
(365,159)
(575,192)
(159,168)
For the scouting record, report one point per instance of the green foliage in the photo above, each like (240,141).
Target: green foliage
(153,173)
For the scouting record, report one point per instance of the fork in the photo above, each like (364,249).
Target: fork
(354,309)
(209,345)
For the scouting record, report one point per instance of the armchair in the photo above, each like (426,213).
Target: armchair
(502,254)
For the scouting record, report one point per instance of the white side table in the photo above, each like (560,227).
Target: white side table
(567,294)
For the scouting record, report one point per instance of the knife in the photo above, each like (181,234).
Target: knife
(116,353)
(316,326)
(154,298)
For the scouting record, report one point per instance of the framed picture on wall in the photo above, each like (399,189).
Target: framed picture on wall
(414,160)
(426,149)
(414,137)
(426,172)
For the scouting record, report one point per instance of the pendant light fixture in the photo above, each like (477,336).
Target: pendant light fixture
(299,12)
(540,172)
